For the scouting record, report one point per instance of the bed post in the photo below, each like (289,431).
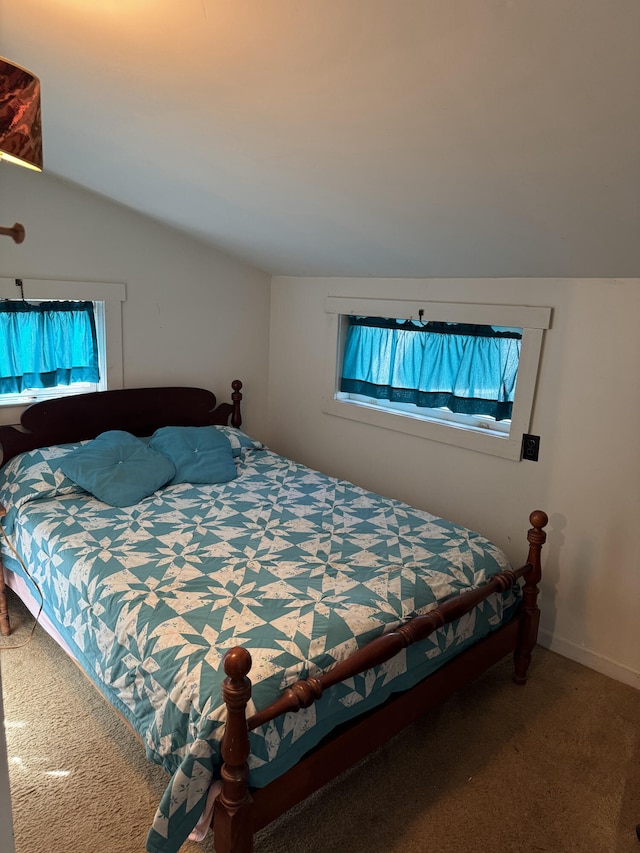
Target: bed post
(236,396)
(528,634)
(5,626)
(232,827)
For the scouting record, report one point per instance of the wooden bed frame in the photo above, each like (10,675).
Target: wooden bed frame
(240,811)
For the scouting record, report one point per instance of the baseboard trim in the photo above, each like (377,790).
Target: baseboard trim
(589,658)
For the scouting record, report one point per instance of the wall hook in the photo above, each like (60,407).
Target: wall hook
(17,232)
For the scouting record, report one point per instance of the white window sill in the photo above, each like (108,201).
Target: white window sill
(471,438)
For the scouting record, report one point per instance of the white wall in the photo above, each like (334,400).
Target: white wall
(588,475)
(193,316)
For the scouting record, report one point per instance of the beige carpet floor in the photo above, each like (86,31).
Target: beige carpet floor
(553,766)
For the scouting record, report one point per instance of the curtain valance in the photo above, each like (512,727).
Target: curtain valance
(467,369)
(44,344)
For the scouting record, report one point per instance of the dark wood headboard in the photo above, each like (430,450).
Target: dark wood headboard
(137,410)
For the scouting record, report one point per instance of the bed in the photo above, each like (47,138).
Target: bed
(212,559)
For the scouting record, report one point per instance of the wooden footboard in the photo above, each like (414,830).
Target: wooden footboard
(237,814)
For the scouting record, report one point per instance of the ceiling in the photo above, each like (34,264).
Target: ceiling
(353,137)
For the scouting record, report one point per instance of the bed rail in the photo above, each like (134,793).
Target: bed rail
(232,816)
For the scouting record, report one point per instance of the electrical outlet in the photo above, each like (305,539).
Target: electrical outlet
(530,447)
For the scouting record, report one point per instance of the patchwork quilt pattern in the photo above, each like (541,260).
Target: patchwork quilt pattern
(300,568)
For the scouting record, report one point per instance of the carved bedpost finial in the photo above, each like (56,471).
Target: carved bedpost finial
(236,397)
(237,663)
(536,538)
(539,519)
(528,635)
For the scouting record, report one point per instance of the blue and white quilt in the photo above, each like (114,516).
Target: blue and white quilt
(300,568)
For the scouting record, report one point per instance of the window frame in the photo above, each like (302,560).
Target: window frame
(533,320)
(108,298)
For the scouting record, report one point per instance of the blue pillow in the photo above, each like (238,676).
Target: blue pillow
(200,454)
(118,468)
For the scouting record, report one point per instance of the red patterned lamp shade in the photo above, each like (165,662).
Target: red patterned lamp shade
(20,117)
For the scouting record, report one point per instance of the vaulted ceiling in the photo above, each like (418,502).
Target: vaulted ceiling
(353,137)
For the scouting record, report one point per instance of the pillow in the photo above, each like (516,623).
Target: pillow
(118,468)
(239,440)
(200,454)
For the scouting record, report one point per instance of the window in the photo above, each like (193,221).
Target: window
(433,370)
(61,338)
(47,349)
(459,373)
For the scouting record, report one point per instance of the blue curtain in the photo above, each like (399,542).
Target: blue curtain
(469,369)
(46,344)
